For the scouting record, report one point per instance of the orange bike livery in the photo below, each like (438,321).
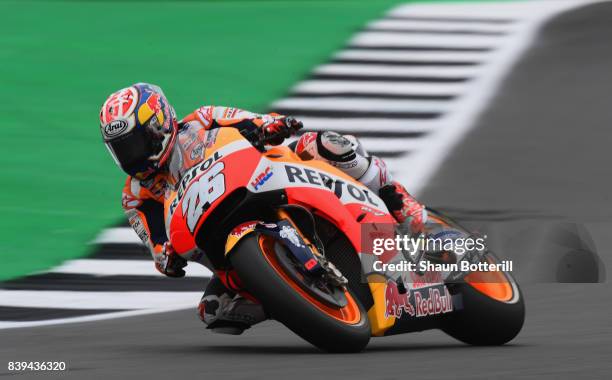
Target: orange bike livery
(287,233)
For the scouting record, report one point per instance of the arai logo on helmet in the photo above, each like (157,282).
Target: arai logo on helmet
(115,128)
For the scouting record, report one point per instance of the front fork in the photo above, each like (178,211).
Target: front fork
(307,252)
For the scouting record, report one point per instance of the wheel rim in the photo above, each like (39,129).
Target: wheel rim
(494,285)
(350,314)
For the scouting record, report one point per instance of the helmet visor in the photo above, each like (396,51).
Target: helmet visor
(133,151)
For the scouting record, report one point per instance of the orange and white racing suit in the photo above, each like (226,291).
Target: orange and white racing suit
(143,200)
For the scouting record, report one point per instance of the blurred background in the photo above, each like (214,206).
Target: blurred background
(61,59)
(496,112)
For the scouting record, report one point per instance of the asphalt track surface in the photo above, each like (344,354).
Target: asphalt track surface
(537,157)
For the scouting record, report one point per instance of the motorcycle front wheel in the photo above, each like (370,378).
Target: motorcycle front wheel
(261,264)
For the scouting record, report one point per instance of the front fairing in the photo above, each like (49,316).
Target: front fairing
(226,164)
(230,163)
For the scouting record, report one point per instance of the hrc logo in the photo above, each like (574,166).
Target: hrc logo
(262,178)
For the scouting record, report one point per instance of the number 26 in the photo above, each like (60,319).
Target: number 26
(203,193)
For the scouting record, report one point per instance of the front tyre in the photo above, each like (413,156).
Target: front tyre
(334,329)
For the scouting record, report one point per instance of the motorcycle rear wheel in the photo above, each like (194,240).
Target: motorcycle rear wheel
(493,310)
(333,329)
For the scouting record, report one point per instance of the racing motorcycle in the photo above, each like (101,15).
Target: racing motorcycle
(291,234)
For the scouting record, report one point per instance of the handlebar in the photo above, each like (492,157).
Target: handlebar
(259,138)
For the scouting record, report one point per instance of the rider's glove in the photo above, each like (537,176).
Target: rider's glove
(279,129)
(170,263)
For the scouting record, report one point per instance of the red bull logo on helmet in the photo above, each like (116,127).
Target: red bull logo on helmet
(153,103)
(152,107)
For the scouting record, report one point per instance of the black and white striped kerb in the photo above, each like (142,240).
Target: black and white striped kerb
(397,79)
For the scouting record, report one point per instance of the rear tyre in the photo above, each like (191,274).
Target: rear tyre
(334,329)
(493,309)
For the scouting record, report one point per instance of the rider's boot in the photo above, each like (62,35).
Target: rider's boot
(404,207)
(226,312)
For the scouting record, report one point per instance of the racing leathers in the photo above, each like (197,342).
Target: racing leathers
(221,309)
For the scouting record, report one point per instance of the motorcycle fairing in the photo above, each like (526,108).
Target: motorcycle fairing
(232,163)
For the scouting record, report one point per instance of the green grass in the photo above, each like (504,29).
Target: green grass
(59,61)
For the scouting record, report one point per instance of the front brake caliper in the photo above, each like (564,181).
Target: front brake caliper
(332,274)
(309,255)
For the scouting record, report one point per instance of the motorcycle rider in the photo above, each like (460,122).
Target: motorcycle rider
(140,129)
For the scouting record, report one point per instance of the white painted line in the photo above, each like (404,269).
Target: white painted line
(412,56)
(372,104)
(334,86)
(399,40)
(123,235)
(352,125)
(441,25)
(522,10)
(99,300)
(392,71)
(423,163)
(89,318)
(123,268)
